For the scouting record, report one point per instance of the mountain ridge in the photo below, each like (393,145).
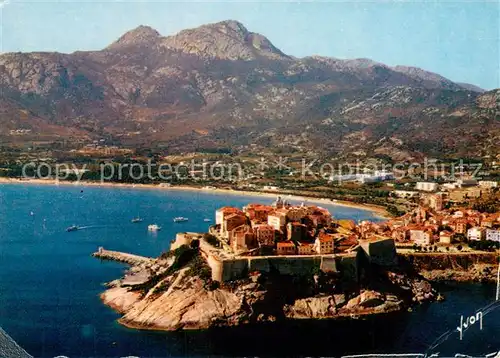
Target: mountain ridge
(231,84)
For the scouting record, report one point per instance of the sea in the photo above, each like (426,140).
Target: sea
(50,284)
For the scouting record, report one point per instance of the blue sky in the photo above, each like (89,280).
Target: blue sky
(459,39)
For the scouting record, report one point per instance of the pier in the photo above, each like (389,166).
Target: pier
(123,257)
(9,348)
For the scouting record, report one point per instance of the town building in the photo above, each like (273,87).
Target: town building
(426,186)
(406,194)
(286,248)
(277,219)
(400,234)
(224,212)
(421,236)
(475,233)
(258,212)
(493,235)
(463,183)
(295,231)
(488,184)
(346,244)
(305,248)
(460,226)
(264,234)
(324,244)
(297,213)
(445,237)
(436,201)
(464,194)
(242,238)
(487,221)
(230,223)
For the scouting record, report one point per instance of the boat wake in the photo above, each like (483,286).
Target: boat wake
(96,227)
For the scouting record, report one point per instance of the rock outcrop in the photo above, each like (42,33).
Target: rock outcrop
(178,293)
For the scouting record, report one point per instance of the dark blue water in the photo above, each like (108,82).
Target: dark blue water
(49,283)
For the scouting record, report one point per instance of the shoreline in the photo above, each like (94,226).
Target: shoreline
(378,211)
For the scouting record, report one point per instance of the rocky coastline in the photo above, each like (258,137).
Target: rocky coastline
(175,292)
(457,267)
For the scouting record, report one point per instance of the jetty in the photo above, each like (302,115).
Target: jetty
(9,348)
(123,257)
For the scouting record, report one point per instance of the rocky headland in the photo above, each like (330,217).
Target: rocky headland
(176,292)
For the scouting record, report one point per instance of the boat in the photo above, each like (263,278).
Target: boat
(72,228)
(154,227)
(180,219)
(136,220)
(207,220)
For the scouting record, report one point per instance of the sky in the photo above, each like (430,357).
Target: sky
(457,39)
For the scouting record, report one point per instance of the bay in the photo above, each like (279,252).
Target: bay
(50,285)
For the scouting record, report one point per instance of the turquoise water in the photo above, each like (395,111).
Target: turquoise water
(49,283)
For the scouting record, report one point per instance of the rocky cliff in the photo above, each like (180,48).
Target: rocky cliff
(176,292)
(464,267)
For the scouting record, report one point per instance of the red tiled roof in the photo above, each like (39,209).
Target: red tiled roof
(229,209)
(285,244)
(233,216)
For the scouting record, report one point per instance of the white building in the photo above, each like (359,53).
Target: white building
(493,235)
(475,233)
(406,194)
(426,186)
(461,183)
(375,177)
(488,184)
(421,237)
(270,188)
(277,221)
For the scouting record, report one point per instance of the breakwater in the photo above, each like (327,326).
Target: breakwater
(123,257)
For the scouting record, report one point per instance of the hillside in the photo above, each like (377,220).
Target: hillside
(221,85)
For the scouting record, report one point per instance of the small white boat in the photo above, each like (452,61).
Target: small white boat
(180,219)
(73,228)
(207,220)
(136,220)
(154,227)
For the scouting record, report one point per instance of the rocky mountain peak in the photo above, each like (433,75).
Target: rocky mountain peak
(140,35)
(228,40)
(231,28)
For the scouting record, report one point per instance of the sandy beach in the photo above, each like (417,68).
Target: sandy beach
(378,210)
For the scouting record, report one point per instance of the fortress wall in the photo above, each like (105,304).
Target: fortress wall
(348,266)
(216,266)
(328,264)
(285,265)
(380,252)
(182,238)
(234,269)
(227,267)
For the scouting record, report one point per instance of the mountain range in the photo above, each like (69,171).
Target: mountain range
(222,86)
